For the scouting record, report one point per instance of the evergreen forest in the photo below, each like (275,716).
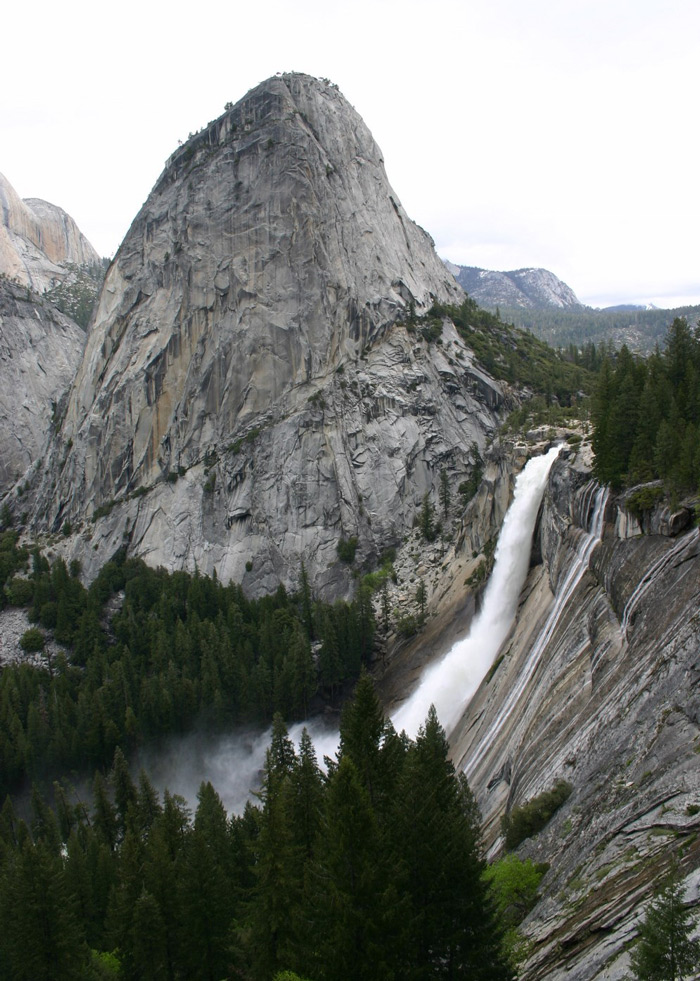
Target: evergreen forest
(646,415)
(371,870)
(641,330)
(515,355)
(177,652)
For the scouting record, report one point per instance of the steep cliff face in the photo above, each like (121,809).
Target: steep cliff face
(40,351)
(598,686)
(247,373)
(39,241)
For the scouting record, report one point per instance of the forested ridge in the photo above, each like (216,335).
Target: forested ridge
(372,870)
(641,330)
(516,355)
(180,651)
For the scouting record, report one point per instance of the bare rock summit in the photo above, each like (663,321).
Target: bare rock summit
(252,389)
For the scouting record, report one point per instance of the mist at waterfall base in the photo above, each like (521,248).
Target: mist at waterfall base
(233,763)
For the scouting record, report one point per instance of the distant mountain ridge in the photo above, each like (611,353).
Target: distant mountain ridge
(40,349)
(629,307)
(40,244)
(530,288)
(49,276)
(538,301)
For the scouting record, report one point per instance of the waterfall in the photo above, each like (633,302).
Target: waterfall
(450,683)
(587,542)
(233,763)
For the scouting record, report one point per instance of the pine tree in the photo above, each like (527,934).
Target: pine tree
(329,661)
(207,892)
(307,616)
(384,603)
(600,414)
(426,520)
(44,824)
(347,902)
(163,861)
(444,492)
(303,671)
(105,820)
(361,730)
(125,794)
(124,895)
(421,601)
(148,947)
(42,937)
(147,807)
(277,890)
(306,796)
(451,925)
(665,950)
(85,884)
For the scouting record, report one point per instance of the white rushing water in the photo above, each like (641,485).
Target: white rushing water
(450,683)
(579,564)
(233,763)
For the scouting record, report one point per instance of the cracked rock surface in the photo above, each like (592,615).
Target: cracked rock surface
(38,241)
(613,707)
(250,391)
(40,350)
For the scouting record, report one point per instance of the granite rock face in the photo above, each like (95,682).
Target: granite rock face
(39,241)
(531,289)
(611,704)
(251,389)
(40,350)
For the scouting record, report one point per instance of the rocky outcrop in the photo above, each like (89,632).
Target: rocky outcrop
(39,242)
(532,289)
(253,389)
(609,703)
(40,350)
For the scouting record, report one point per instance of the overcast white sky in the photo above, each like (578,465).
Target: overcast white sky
(555,133)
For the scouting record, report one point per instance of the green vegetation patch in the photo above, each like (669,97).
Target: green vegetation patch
(371,871)
(528,819)
(515,355)
(646,418)
(181,650)
(514,884)
(32,640)
(586,328)
(103,510)
(346,549)
(77,294)
(644,499)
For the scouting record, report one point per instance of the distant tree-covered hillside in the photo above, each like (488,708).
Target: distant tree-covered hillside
(515,355)
(640,330)
(77,294)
